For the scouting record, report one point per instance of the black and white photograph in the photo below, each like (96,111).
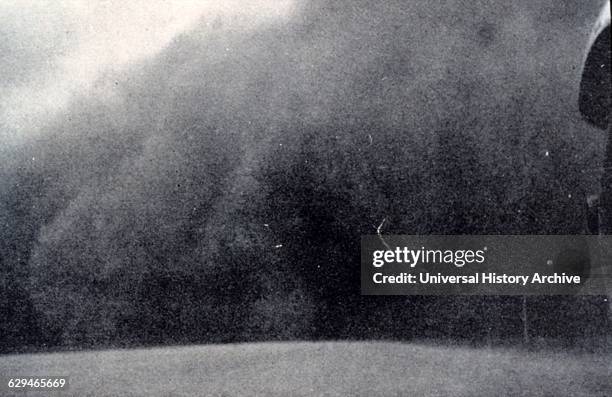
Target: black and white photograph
(279,198)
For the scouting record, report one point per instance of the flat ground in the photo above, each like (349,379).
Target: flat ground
(321,369)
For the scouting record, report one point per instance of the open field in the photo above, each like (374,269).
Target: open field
(321,369)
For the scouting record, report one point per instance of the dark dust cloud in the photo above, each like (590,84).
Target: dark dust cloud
(220,193)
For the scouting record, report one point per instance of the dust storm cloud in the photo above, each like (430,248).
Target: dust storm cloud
(216,189)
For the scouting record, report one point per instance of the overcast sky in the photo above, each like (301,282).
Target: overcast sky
(52,50)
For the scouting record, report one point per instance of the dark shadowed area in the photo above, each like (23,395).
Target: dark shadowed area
(218,191)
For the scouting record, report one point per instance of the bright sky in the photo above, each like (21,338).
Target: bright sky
(66,44)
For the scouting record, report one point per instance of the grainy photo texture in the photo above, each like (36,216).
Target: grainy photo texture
(184,186)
